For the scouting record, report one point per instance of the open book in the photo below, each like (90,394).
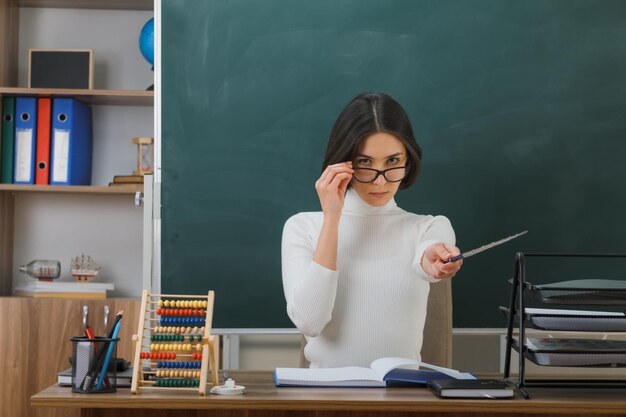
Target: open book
(381,373)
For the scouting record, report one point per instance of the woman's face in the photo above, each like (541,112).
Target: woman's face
(380,151)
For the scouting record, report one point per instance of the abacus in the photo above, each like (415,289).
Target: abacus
(174,340)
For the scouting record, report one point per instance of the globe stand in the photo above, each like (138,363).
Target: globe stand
(151,88)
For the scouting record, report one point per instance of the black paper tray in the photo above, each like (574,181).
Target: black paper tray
(575,358)
(555,320)
(563,320)
(613,360)
(581,292)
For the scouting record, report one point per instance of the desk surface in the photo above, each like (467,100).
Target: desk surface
(261,394)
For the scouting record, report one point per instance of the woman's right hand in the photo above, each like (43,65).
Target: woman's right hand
(331,187)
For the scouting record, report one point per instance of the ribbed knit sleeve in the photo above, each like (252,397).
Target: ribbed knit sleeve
(437,230)
(310,289)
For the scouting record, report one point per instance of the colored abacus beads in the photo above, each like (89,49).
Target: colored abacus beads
(174,338)
(183,303)
(182,321)
(165,373)
(180,347)
(178,330)
(157,355)
(177,382)
(182,364)
(180,312)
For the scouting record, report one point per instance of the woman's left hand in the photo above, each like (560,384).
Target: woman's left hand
(435,255)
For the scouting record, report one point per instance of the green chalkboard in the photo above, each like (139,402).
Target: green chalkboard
(519,106)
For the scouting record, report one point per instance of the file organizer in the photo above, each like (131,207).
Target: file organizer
(564,352)
(174,342)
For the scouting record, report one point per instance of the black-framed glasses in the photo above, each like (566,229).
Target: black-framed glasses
(396,174)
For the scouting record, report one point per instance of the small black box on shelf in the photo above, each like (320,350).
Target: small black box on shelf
(60,68)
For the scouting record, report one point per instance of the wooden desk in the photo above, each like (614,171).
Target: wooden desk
(262,398)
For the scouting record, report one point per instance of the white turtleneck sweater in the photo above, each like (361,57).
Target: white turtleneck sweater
(374,305)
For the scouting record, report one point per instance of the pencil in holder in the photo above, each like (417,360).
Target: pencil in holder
(94,369)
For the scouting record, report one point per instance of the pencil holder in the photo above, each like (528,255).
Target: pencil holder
(93,365)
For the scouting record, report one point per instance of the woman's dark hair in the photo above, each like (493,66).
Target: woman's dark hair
(366,114)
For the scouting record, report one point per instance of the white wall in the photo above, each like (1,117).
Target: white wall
(61,226)
(108,228)
(112,34)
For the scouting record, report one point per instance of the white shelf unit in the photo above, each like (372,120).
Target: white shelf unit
(44,222)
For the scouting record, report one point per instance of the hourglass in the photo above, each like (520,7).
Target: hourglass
(145,155)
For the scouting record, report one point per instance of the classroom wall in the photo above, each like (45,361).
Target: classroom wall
(109,228)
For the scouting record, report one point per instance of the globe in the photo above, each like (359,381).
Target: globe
(146,41)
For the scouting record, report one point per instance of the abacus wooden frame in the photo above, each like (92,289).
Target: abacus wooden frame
(210,345)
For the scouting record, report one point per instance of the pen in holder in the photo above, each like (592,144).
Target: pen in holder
(91,372)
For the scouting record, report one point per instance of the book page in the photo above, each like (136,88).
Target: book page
(383,365)
(348,373)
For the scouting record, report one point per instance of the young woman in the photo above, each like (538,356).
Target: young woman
(356,276)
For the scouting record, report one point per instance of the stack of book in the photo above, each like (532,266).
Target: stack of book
(41,289)
(127,179)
